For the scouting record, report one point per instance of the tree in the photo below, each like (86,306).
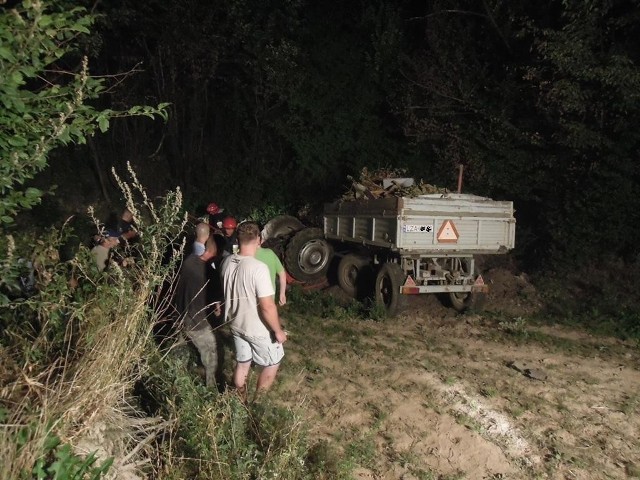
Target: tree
(46,92)
(539,101)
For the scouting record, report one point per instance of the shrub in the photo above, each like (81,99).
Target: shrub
(71,352)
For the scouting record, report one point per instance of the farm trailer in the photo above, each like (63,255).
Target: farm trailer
(405,246)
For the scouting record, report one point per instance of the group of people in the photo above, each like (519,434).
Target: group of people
(229,276)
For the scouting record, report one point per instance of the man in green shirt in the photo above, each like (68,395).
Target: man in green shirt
(268,256)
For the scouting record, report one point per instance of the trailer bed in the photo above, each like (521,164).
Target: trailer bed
(442,225)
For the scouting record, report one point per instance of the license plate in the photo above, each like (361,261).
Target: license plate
(417,228)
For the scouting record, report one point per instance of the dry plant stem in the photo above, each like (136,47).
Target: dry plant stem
(82,396)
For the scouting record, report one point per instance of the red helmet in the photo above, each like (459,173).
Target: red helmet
(229,222)
(213,208)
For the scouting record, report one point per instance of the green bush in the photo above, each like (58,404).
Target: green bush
(71,351)
(601,297)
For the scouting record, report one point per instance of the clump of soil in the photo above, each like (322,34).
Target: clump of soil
(511,293)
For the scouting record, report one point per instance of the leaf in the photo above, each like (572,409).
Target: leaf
(45,20)
(33,193)
(103,123)
(51,442)
(6,54)
(39,471)
(81,29)
(84,466)
(16,77)
(17,141)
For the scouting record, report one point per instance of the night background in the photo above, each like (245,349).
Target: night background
(268,106)
(274,103)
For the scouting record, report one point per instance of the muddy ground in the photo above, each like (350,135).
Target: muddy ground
(433,394)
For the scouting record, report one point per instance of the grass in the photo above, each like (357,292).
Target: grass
(600,297)
(468,422)
(488,391)
(407,459)
(630,404)
(524,331)
(351,334)
(450,380)
(363,450)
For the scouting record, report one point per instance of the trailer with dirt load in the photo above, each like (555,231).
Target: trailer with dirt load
(400,246)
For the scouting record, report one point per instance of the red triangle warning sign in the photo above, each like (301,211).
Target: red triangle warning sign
(409,282)
(479,280)
(447,233)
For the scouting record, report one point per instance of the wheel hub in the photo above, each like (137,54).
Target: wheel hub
(313,257)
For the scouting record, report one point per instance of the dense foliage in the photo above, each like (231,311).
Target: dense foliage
(46,92)
(538,101)
(48,99)
(275,102)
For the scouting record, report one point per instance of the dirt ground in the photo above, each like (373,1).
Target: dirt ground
(432,394)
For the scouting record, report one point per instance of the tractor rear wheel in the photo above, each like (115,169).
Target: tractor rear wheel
(308,255)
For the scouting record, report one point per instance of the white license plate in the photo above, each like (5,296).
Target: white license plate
(417,228)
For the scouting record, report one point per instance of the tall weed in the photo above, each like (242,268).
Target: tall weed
(87,390)
(70,353)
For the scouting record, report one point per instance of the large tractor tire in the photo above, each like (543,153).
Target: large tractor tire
(389,279)
(308,255)
(281,226)
(351,269)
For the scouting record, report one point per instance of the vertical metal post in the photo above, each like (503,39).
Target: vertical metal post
(460,170)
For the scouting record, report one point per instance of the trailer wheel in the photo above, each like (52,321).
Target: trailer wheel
(350,272)
(460,301)
(387,287)
(308,255)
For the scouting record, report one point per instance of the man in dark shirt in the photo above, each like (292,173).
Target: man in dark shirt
(194,298)
(229,226)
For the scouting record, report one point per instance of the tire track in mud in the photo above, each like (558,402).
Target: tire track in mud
(574,419)
(409,413)
(436,396)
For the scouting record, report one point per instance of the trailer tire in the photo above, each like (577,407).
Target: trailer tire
(350,273)
(460,301)
(463,301)
(308,255)
(389,279)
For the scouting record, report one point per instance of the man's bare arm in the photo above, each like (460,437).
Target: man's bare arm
(282,277)
(269,313)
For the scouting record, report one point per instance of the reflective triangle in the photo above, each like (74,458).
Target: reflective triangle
(447,233)
(409,282)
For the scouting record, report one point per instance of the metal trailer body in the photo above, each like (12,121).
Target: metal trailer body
(432,238)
